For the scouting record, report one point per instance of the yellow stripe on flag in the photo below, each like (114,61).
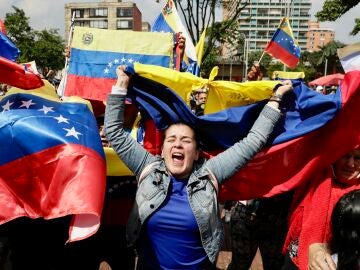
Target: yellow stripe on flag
(147,43)
(222,94)
(285,26)
(200,47)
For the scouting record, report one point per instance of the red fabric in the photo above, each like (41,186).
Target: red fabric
(279,52)
(2,27)
(332,79)
(153,138)
(51,193)
(310,217)
(15,75)
(287,165)
(78,86)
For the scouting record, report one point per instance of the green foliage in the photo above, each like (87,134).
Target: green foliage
(209,62)
(20,32)
(356,29)
(46,47)
(334,9)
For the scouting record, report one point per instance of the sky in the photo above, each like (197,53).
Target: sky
(50,14)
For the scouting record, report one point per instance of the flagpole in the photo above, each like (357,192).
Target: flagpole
(61,89)
(70,38)
(261,57)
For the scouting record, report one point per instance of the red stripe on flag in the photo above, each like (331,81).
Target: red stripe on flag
(79,86)
(63,180)
(282,54)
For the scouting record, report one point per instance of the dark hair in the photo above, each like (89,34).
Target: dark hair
(345,222)
(197,141)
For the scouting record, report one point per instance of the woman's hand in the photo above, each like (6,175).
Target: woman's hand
(320,258)
(123,79)
(284,88)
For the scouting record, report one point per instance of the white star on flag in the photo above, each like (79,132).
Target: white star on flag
(123,59)
(116,61)
(46,109)
(27,104)
(62,119)
(110,65)
(72,132)
(130,60)
(106,70)
(6,107)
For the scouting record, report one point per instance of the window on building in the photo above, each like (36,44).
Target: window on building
(98,12)
(124,24)
(79,13)
(103,24)
(82,23)
(124,12)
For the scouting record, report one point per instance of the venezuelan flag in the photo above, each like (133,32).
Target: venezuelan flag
(95,54)
(316,130)
(283,45)
(221,94)
(169,21)
(52,162)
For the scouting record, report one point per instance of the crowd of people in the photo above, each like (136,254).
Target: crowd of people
(175,220)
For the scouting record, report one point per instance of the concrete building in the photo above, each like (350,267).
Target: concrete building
(260,19)
(145,27)
(107,14)
(318,37)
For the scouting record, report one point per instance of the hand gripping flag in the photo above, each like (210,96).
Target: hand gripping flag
(95,54)
(283,45)
(52,162)
(306,140)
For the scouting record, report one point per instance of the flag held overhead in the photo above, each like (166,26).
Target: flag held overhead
(283,45)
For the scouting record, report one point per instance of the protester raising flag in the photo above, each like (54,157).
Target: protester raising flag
(350,57)
(52,162)
(169,21)
(283,45)
(313,124)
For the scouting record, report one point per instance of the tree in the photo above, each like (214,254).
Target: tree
(48,49)
(334,9)
(199,15)
(20,32)
(329,54)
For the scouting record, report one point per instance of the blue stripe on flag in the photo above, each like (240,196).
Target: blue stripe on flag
(100,64)
(160,25)
(286,42)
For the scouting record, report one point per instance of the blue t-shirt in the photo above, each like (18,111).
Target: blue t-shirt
(172,237)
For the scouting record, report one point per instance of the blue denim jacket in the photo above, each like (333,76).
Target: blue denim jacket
(202,185)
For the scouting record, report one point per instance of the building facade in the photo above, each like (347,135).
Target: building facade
(260,19)
(108,14)
(318,37)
